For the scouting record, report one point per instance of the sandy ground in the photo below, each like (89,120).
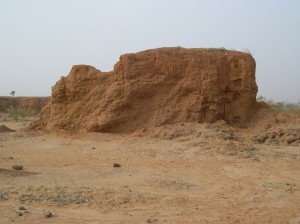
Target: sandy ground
(179,178)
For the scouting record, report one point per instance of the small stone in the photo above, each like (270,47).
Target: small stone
(116,165)
(17,167)
(19,213)
(10,157)
(47,214)
(151,220)
(22,208)
(93,148)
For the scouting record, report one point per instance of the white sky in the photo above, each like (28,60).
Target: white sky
(40,40)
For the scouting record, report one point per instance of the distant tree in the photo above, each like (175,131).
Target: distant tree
(12,93)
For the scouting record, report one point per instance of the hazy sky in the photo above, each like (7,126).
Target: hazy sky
(40,40)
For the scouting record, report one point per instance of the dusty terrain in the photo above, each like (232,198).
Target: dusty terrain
(172,135)
(184,173)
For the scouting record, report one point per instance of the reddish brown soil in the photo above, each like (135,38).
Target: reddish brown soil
(153,88)
(185,173)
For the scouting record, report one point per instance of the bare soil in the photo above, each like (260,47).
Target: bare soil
(187,173)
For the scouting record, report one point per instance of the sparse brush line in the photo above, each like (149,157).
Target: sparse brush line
(280,106)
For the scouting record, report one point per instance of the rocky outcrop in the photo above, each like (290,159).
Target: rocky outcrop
(153,88)
(30,104)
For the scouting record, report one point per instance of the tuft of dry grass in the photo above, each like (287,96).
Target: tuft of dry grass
(63,196)
(3,196)
(290,187)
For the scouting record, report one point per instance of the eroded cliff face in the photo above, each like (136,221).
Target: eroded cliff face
(153,88)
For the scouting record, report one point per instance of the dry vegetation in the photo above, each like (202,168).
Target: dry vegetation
(281,106)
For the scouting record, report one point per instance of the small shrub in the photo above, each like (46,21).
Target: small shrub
(3,196)
(15,113)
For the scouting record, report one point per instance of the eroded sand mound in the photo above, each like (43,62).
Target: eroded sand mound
(3,128)
(153,88)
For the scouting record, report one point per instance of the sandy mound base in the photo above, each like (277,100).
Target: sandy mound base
(3,128)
